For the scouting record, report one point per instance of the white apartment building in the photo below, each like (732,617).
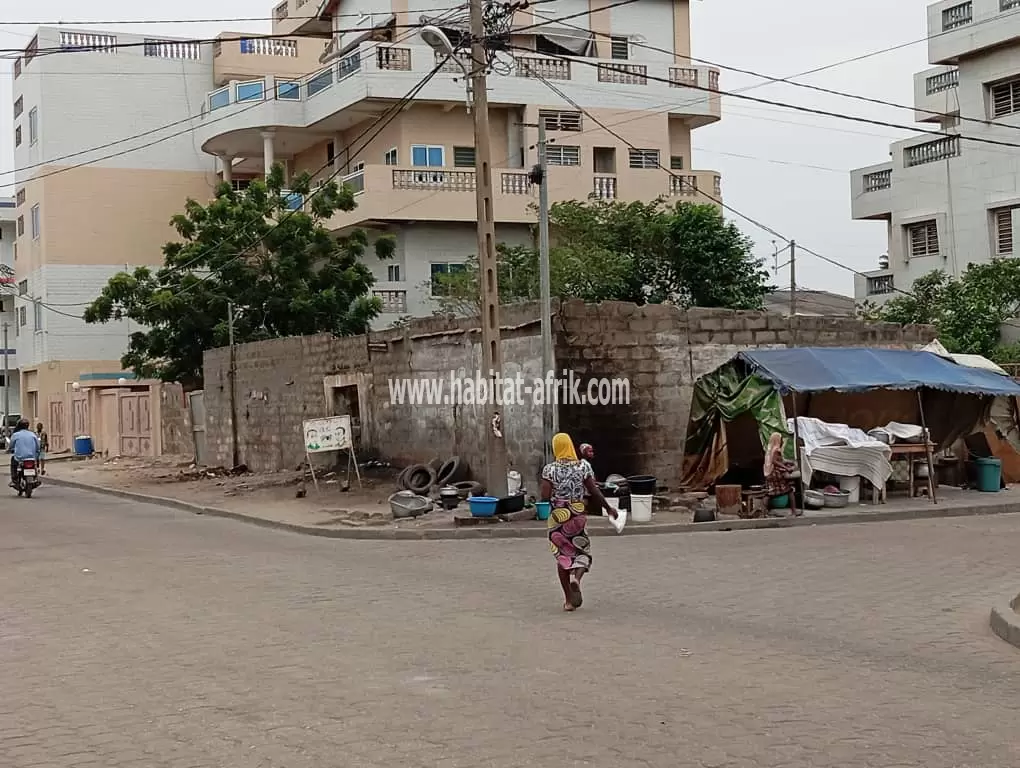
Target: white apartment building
(948,201)
(89,204)
(9,380)
(416,179)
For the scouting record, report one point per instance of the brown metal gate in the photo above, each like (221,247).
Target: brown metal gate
(135,424)
(56,429)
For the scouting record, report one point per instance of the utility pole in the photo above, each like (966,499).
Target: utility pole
(7,378)
(793,278)
(236,458)
(492,356)
(550,410)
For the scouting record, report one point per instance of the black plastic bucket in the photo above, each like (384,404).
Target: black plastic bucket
(641,485)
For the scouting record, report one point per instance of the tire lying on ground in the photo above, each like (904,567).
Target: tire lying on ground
(436,464)
(453,471)
(467,488)
(419,478)
(402,479)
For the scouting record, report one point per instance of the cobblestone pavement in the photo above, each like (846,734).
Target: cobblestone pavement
(140,636)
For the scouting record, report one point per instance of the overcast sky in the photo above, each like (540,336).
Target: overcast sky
(785,169)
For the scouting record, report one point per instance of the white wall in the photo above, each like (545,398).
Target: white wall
(652,20)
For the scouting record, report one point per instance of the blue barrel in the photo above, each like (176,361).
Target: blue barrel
(83,445)
(989,475)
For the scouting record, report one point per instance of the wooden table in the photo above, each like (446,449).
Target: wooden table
(909,451)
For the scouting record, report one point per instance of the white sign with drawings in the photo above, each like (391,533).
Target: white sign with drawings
(332,433)
(329,434)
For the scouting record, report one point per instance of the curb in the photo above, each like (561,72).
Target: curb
(1005,621)
(538,531)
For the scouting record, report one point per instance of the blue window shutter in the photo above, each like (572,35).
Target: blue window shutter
(435,157)
(419,156)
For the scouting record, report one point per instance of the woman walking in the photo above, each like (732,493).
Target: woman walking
(565,482)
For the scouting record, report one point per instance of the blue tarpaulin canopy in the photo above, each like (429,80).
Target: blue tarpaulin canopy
(854,369)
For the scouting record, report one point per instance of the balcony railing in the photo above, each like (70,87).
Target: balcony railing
(263,46)
(683,186)
(878,180)
(623,74)
(604,187)
(543,68)
(88,41)
(515,184)
(384,58)
(932,151)
(882,284)
(281,11)
(172,49)
(957,16)
(392,301)
(434,179)
(944,81)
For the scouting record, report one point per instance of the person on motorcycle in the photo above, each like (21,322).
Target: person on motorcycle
(24,445)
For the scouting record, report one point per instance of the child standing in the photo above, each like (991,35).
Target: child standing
(44,446)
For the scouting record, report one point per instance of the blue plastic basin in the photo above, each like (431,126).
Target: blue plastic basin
(482,506)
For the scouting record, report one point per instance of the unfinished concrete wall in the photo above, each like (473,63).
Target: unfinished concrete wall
(663,350)
(282,382)
(174,421)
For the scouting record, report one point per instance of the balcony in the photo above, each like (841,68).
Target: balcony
(300,18)
(960,28)
(871,192)
(385,73)
(236,57)
(935,91)
(694,186)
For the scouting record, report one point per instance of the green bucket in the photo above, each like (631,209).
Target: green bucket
(989,475)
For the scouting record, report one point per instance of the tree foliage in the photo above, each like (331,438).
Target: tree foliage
(685,254)
(968,311)
(283,271)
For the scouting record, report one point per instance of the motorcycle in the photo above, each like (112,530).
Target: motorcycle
(28,478)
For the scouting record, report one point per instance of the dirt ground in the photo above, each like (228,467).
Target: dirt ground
(287,495)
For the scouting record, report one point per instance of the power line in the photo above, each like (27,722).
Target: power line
(225,20)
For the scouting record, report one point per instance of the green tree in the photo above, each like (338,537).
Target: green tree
(685,254)
(283,271)
(968,311)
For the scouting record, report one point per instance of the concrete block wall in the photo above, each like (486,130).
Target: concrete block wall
(175,421)
(663,350)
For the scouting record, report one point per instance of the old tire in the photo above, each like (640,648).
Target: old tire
(467,488)
(436,464)
(453,471)
(402,479)
(420,478)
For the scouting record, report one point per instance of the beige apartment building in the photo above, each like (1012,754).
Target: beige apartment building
(625,67)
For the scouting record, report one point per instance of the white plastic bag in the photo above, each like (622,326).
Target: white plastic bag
(619,521)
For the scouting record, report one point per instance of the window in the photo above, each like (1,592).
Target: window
(439,287)
(1002,220)
(393,273)
(463,157)
(21,197)
(37,315)
(424,156)
(619,47)
(23,287)
(22,317)
(330,152)
(644,158)
(239,185)
(561,154)
(17,136)
(33,126)
(21,226)
(19,106)
(676,163)
(555,120)
(36,224)
(923,239)
(390,158)
(880,284)
(1005,98)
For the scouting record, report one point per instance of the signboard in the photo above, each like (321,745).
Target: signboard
(329,434)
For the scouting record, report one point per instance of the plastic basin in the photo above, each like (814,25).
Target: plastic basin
(483,506)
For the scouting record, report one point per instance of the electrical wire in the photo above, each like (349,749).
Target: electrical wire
(788,81)
(122,22)
(796,107)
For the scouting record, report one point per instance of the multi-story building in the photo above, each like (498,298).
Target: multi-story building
(951,197)
(626,67)
(9,390)
(104,156)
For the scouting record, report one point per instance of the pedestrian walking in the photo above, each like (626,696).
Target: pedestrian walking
(44,446)
(565,482)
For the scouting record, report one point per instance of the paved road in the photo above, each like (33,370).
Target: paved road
(195,642)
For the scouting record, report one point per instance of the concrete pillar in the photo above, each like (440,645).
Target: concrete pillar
(227,167)
(268,149)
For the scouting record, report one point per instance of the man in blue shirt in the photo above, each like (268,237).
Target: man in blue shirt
(24,445)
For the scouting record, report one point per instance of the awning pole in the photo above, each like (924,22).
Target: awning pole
(927,450)
(796,457)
